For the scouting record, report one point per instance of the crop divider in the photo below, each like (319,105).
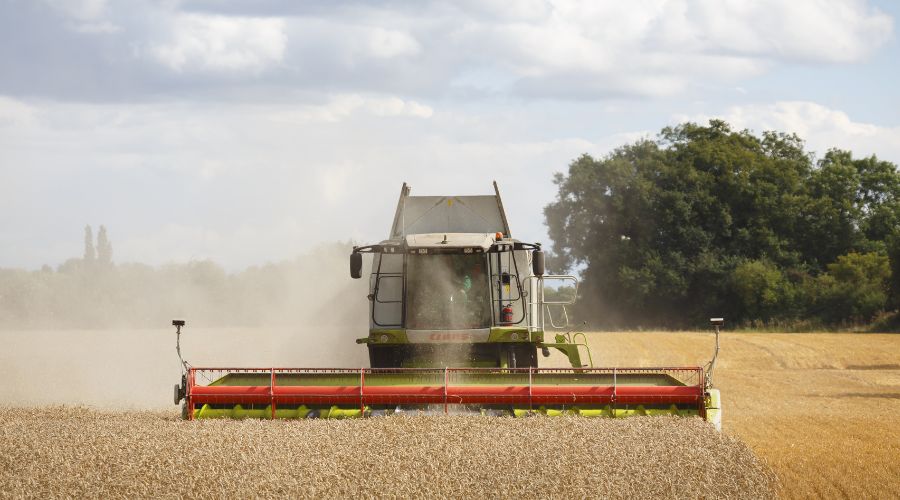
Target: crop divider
(362,400)
(446,383)
(272,392)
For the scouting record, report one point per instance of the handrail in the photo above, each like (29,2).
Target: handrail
(543,311)
(566,324)
(584,343)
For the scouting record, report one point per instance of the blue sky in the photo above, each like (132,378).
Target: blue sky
(250,131)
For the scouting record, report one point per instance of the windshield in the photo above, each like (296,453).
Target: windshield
(449,291)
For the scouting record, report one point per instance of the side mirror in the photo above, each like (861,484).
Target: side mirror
(537,262)
(356,265)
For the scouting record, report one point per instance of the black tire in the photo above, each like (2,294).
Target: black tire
(520,355)
(385,356)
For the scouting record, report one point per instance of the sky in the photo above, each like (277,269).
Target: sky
(250,131)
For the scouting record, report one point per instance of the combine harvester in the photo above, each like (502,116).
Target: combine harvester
(458,311)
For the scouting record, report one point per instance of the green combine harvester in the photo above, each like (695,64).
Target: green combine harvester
(458,312)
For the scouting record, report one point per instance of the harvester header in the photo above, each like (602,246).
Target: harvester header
(458,311)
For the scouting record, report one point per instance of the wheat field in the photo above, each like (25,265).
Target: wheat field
(822,409)
(72,452)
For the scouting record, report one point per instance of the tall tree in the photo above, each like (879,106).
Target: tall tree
(89,253)
(104,247)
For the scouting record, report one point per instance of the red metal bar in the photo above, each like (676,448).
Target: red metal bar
(439,370)
(446,394)
(373,395)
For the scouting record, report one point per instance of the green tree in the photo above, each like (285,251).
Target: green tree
(660,227)
(855,287)
(89,253)
(763,290)
(894,257)
(104,247)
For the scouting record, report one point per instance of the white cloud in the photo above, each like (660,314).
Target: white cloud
(339,107)
(392,43)
(82,10)
(176,181)
(660,47)
(821,127)
(807,30)
(335,181)
(103,27)
(222,43)
(85,16)
(562,49)
(394,106)
(344,102)
(16,113)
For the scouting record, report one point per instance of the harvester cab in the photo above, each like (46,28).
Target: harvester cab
(458,310)
(452,288)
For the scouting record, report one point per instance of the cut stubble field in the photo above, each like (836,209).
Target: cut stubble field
(822,410)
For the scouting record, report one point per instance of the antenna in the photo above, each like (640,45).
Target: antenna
(180,389)
(178,323)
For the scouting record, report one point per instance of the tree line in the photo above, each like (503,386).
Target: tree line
(706,221)
(701,221)
(94,292)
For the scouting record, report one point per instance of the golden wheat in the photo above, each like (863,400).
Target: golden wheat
(822,409)
(76,452)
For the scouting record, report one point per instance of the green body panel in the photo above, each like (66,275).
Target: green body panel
(569,345)
(497,334)
(385,336)
(610,412)
(570,350)
(238,412)
(713,406)
(513,334)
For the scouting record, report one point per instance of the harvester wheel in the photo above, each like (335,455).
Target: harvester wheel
(385,356)
(184,411)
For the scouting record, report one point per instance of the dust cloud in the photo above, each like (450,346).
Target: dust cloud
(301,313)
